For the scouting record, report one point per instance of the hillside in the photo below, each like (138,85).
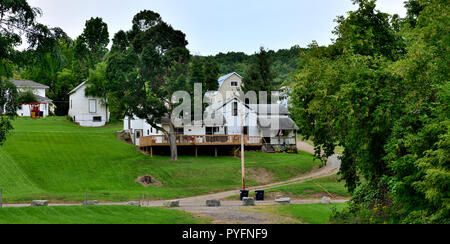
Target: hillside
(284,62)
(55,159)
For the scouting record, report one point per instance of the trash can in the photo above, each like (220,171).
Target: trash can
(244,193)
(259,195)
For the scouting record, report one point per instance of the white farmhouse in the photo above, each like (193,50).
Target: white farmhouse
(87,111)
(265,126)
(43,105)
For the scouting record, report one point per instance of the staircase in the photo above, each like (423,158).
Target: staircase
(268,148)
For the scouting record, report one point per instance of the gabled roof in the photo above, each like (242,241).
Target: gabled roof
(43,99)
(219,105)
(283,124)
(270,109)
(223,78)
(28,84)
(78,87)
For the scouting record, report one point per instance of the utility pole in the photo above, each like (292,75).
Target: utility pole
(243,147)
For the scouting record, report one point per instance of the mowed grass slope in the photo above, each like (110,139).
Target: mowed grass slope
(96,215)
(305,213)
(55,159)
(324,186)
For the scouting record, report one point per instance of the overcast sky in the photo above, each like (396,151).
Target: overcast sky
(214,26)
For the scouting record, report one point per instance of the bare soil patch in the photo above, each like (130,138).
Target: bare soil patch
(260,175)
(124,136)
(148,180)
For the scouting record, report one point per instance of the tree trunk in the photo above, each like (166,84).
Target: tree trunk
(106,117)
(129,124)
(173,142)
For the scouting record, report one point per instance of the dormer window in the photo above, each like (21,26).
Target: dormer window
(234,84)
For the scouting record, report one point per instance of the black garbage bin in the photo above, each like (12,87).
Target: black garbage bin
(244,193)
(259,195)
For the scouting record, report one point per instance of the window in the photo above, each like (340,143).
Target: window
(92,106)
(97,118)
(138,134)
(234,84)
(212,130)
(179,131)
(148,132)
(235,109)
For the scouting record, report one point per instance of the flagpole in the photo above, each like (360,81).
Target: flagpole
(243,148)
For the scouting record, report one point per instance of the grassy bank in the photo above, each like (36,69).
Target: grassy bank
(305,213)
(324,186)
(55,159)
(96,215)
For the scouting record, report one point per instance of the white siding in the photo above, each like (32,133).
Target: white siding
(25,110)
(81,107)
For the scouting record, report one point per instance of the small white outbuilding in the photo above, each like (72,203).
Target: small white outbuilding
(87,111)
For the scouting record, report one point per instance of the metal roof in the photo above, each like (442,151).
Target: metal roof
(266,124)
(223,78)
(76,88)
(28,84)
(43,99)
(270,109)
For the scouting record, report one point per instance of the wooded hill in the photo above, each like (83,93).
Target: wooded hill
(284,62)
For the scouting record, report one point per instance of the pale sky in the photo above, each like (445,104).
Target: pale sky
(214,26)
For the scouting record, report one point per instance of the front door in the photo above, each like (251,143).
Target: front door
(137,136)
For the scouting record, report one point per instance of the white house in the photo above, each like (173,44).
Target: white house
(87,111)
(262,124)
(43,105)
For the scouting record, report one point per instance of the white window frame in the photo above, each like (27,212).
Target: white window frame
(232,82)
(235,109)
(89,106)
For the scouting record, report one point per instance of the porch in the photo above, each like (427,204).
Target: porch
(202,140)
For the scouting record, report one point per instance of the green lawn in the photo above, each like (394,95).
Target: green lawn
(96,215)
(319,186)
(306,213)
(55,159)
(338,150)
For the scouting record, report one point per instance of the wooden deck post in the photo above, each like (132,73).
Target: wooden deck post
(151,152)
(215,152)
(196,152)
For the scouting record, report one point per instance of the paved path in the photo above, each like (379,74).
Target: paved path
(331,168)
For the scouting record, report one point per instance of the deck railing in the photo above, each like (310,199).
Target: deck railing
(283,141)
(201,140)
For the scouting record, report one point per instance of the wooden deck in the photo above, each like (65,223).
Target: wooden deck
(205,140)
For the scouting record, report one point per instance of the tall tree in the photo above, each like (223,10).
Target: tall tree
(154,67)
(368,31)
(17,18)
(385,102)
(211,75)
(259,75)
(96,37)
(98,85)
(50,54)
(197,72)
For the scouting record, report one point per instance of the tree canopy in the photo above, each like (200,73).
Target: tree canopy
(153,66)
(381,92)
